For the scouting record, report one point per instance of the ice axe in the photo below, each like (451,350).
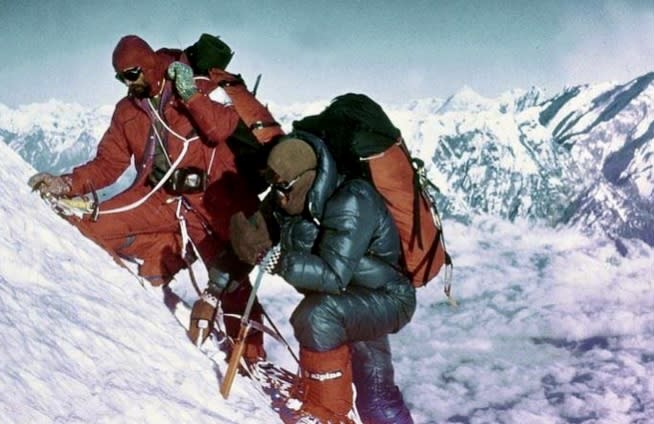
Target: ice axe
(267,263)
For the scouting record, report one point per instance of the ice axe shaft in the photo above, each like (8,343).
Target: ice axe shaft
(232,368)
(256,85)
(268,260)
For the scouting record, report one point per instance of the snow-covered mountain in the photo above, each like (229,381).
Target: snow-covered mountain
(53,136)
(552,327)
(609,131)
(482,160)
(582,157)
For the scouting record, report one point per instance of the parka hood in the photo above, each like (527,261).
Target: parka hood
(132,51)
(327,177)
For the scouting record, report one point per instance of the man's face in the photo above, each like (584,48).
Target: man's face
(139,88)
(135,81)
(291,195)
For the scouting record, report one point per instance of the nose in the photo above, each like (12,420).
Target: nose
(282,199)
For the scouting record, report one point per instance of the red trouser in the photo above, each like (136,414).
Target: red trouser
(151,234)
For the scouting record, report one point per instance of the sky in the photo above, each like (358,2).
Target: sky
(533,340)
(313,50)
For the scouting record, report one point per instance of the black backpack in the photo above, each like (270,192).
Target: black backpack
(366,144)
(211,52)
(353,126)
(207,53)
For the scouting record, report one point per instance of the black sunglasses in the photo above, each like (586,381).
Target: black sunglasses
(130,74)
(286,187)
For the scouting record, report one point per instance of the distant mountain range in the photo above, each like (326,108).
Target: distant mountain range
(582,157)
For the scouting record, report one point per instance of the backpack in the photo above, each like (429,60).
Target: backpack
(207,53)
(366,144)
(251,140)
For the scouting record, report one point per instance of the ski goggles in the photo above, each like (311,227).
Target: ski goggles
(284,188)
(129,74)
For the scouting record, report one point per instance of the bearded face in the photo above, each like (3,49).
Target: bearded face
(137,66)
(134,79)
(139,89)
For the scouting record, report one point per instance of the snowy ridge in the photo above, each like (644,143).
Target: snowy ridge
(466,100)
(535,339)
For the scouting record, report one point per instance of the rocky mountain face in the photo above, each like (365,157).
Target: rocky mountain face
(608,131)
(582,157)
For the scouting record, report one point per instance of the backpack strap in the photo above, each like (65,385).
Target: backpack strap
(416,233)
(420,184)
(256,116)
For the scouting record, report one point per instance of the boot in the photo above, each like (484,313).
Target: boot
(202,317)
(254,351)
(327,384)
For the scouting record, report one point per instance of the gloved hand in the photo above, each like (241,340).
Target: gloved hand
(47,183)
(182,74)
(250,238)
(203,315)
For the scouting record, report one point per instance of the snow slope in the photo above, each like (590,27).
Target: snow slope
(553,327)
(80,340)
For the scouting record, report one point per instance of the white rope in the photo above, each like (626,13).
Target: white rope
(167,175)
(170,130)
(213,154)
(182,226)
(157,187)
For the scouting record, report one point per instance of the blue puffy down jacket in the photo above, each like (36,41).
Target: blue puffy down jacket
(343,254)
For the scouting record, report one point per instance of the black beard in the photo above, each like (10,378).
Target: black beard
(140,91)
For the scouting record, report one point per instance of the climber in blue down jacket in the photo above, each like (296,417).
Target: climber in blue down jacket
(340,248)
